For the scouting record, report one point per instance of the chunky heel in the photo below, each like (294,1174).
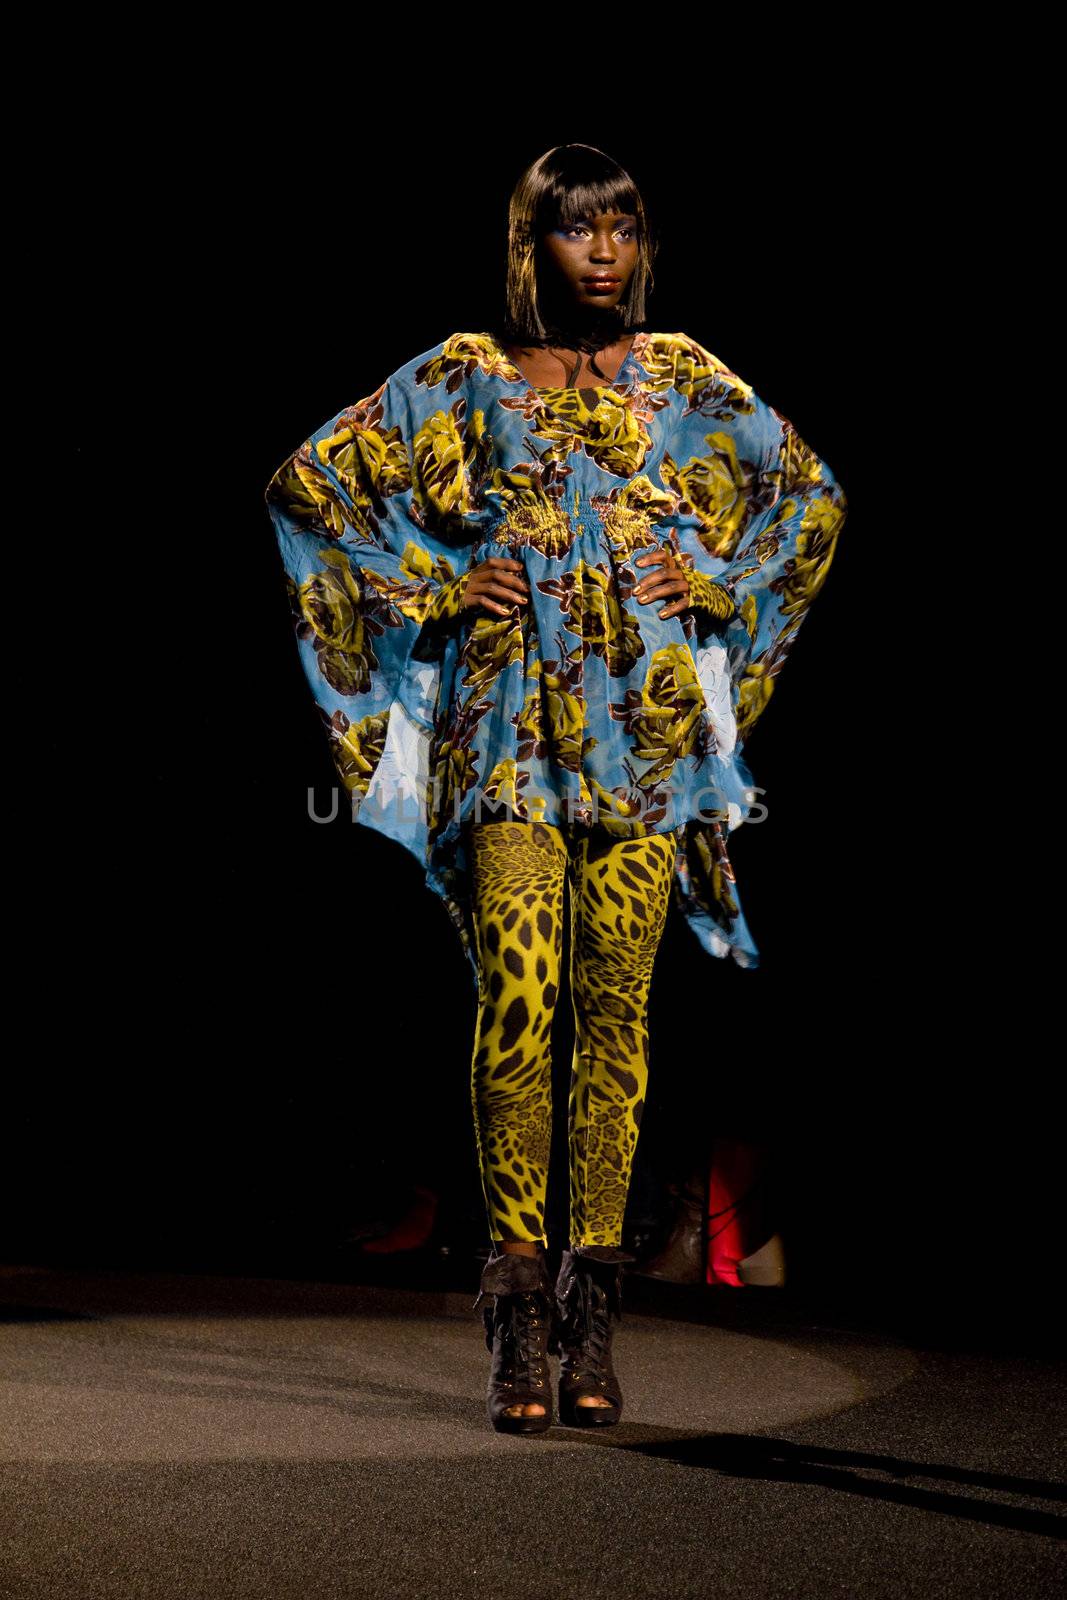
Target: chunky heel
(521,1330)
(588,1299)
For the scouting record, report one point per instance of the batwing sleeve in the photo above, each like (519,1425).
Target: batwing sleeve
(374,595)
(758,528)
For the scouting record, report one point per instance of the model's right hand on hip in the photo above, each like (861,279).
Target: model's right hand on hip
(498,584)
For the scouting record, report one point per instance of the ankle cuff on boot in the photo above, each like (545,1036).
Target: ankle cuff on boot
(514,1274)
(602,1252)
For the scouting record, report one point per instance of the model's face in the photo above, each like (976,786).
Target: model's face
(601,248)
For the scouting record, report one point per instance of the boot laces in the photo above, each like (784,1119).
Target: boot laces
(587,1308)
(520,1323)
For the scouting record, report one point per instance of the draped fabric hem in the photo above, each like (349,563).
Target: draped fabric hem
(704,888)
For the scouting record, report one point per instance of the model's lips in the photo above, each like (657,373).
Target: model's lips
(602,282)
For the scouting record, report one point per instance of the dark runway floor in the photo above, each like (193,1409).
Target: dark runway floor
(182,1434)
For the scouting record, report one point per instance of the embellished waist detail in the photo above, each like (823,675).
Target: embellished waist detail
(549,526)
(552,526)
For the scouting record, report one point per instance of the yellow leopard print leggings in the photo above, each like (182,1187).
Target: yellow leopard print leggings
(619,894)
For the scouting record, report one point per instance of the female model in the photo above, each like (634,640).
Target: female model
(543,579)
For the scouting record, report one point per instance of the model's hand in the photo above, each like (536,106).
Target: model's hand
(494,581)
(669,580)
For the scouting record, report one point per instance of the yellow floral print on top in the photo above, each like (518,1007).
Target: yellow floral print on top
(584,709)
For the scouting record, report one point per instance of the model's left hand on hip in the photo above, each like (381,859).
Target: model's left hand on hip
(672,580)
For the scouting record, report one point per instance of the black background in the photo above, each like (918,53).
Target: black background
(223,1046)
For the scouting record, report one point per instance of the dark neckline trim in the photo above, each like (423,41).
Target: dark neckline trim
(561,388)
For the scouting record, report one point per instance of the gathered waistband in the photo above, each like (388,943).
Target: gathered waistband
(552,528)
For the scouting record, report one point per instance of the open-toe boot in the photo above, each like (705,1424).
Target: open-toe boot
(589,1302)
(521,1332)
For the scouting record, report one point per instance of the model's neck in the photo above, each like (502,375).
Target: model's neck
(584,327)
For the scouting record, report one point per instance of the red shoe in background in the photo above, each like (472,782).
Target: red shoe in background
(742,1249)
(722,1232)
(409,1232)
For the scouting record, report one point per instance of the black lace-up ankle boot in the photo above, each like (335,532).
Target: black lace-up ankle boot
(521,1331)
(588,1298)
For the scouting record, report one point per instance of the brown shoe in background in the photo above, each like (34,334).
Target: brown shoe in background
(684,1254)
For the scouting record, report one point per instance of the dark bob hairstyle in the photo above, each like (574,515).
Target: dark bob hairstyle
(567,183)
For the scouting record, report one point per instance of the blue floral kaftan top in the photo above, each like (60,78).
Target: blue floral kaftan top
(584,708)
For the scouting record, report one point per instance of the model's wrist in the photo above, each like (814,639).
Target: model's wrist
(710,597)
(447,603)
